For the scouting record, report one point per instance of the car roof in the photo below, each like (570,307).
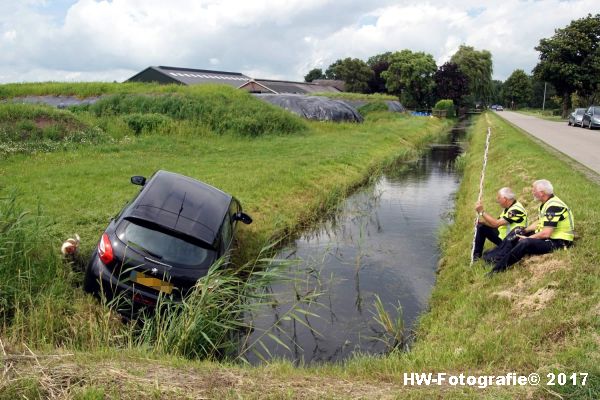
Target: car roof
(182,205)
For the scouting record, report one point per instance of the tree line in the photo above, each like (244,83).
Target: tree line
(567,74)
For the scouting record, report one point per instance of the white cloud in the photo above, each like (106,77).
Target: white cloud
(112,40)
(10,36)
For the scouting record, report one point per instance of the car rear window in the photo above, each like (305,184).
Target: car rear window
(162,246)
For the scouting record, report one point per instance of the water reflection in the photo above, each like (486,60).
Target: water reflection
(383,242)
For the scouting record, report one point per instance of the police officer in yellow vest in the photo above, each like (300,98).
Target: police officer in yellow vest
(554,229)
(496,229)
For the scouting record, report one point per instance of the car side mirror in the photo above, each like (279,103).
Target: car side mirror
(245,218)
(138,180)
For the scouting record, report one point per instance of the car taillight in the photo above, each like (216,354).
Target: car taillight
(105,250)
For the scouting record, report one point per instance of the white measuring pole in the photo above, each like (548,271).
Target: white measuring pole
(485,158)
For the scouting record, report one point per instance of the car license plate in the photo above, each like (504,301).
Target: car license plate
(154,283)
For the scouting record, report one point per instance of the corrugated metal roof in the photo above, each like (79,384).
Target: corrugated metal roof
(191,76)
(292,87)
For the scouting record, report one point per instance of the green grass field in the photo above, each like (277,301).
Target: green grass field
(543,114)
(287,172)
(542,316)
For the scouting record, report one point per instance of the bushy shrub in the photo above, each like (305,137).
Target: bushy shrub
(30,128)
(145,122)
(446,104)
(32,122)
(222,109)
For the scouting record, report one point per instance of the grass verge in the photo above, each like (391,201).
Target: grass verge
(543,114)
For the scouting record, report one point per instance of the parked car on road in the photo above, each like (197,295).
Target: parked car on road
(591,118)
(499,108)
(576,116)
(164,240)
(494,106)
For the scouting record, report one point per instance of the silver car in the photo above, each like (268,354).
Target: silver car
(591,118)
(576,116)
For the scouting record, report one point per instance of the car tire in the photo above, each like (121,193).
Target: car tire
(90,282)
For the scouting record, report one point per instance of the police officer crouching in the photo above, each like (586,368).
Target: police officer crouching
(496,229)
(554,230)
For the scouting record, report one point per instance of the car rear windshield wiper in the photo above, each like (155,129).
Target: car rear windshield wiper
(145,250)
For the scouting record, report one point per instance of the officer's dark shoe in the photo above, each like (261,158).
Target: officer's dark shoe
(491,274)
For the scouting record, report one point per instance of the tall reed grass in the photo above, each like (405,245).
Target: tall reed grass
(40,303)
(212,322)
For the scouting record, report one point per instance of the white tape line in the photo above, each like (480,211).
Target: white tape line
(485,158)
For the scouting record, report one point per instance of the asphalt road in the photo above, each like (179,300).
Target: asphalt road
(583,145)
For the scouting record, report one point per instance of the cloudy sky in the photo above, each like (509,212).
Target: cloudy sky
(91,40)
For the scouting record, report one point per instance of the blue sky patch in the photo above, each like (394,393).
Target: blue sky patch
(475,12)
(57,9)
(368,20)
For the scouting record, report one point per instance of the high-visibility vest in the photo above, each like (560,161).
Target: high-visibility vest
(555,213)
(515,215)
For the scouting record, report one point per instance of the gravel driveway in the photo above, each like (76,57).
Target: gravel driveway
(580,144)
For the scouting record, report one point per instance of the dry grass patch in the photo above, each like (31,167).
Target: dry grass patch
(61,377)
(536,301)
(539,267)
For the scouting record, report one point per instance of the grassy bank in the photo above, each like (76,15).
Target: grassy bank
(544,114)
(88,89)
(284,179)
(542,316)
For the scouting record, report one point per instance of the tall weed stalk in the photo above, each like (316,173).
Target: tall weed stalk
(211,321)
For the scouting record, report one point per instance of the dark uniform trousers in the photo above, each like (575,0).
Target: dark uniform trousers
(484,232)
(529,246)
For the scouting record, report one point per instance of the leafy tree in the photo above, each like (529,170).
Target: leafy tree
(516,90)
(570,59)
(537,94)
(477,66)
(354,72)
(315,73)
(446,105)
(410,76)
(330,72)
(496,92)
(378,64)
(451,83)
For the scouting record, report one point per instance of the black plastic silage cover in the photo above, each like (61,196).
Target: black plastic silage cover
(314,107)
(392,105)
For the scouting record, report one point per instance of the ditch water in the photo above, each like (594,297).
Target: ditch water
(383,242)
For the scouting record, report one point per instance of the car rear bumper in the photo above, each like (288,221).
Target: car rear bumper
(114,287)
